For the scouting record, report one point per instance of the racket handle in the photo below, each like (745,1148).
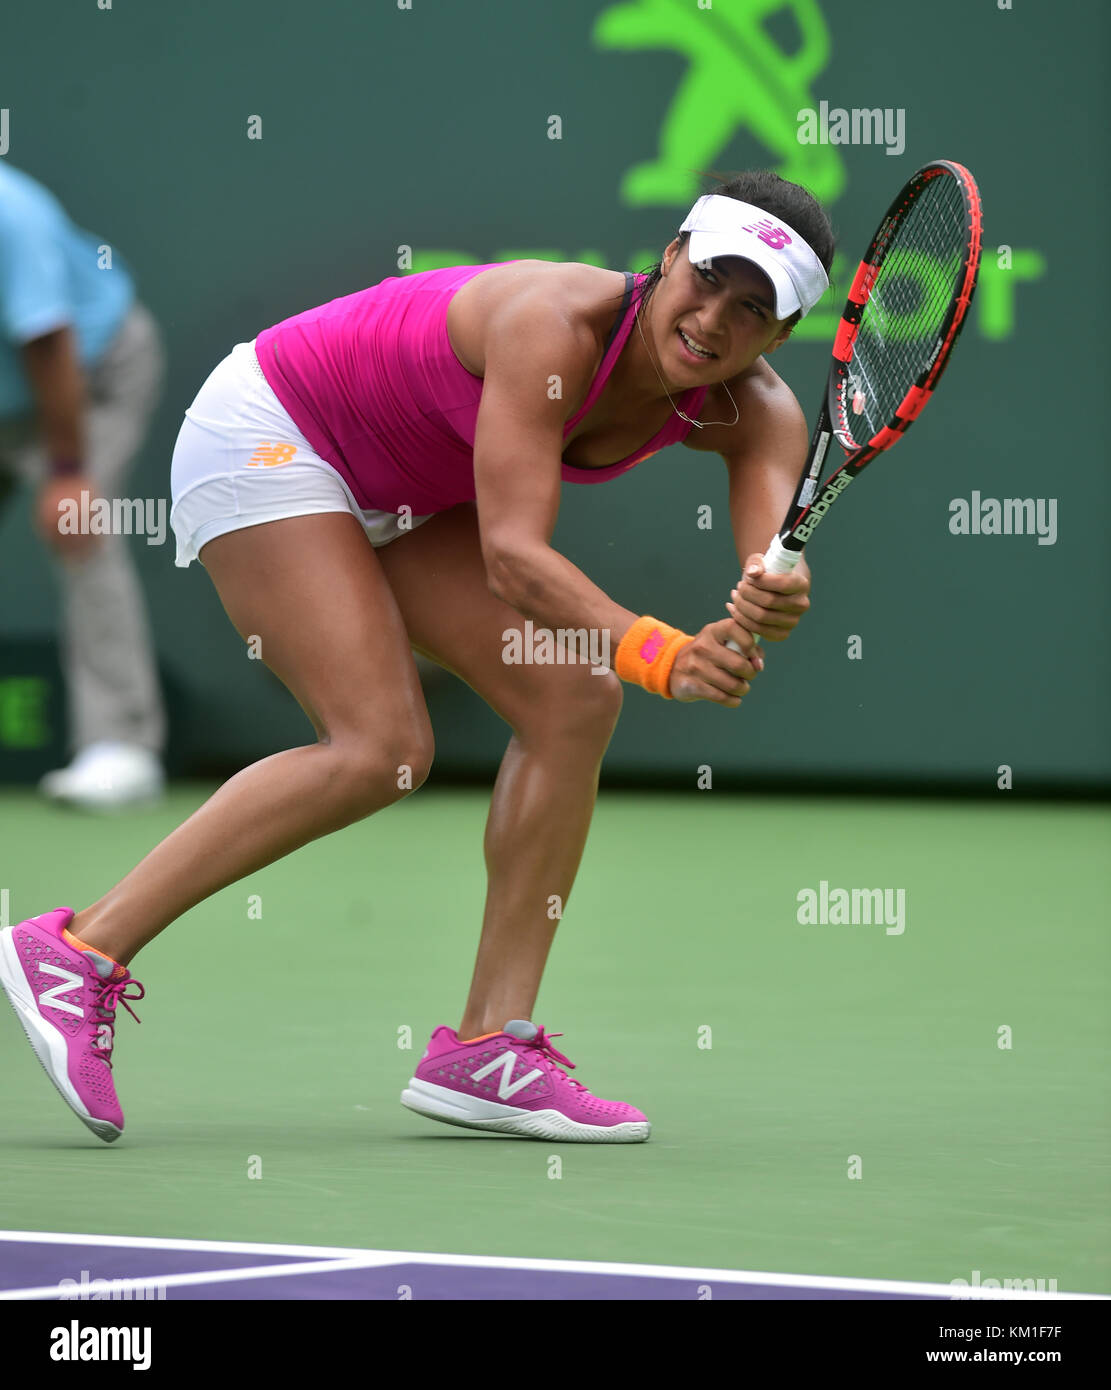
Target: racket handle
(777,560)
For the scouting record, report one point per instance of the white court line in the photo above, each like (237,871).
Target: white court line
(370,1258)
(210,1276)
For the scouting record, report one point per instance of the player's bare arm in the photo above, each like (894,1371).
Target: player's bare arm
(532,347)
(764,453)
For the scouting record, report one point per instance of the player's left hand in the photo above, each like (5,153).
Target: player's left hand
(770,605)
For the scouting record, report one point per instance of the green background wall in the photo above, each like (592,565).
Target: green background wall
(428,127)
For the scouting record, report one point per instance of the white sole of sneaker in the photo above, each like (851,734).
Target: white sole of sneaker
(452,1108)
(48,1044)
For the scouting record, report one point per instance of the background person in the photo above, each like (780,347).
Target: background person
(81,370)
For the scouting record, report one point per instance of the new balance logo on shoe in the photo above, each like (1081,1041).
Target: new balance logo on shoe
(51,996)
(506,1088)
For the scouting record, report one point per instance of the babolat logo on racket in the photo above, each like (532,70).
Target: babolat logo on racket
(771,235)
(836,487)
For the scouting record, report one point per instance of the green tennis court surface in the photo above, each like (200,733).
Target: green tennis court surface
(270,1044)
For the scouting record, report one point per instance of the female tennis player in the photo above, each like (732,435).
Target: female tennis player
(382,474)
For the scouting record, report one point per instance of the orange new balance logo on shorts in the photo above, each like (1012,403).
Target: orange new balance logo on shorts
(271,455)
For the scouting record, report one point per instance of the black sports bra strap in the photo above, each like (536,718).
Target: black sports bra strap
(630,280)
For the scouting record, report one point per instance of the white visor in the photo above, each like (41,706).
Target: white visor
(722,226)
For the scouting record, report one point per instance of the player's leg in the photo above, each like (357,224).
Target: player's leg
(562,719)
(311,592)
(500,1071)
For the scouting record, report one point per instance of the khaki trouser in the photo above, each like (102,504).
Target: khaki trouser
(106,653)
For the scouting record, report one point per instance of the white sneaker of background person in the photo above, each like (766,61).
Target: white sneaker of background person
(105,776)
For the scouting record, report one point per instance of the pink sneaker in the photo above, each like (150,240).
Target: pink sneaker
(66,1000)
(509,1082)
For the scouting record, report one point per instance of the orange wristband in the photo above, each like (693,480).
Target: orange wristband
(647,653)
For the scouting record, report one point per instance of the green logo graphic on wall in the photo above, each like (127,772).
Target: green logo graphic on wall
(740,78)
(737,77)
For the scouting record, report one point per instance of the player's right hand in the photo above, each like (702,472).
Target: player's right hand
(706,669)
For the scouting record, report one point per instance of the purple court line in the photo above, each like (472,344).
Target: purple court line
(33,1265)
(450,1282)
(25,1265)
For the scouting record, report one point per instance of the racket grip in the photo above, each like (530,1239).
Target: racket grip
(780,560)
(777,560)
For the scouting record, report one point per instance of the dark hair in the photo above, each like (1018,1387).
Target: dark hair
(765,189)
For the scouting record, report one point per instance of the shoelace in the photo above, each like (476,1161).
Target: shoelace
(542,1043)
(105,1000)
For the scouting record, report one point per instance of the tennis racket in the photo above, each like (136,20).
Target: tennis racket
(908,302)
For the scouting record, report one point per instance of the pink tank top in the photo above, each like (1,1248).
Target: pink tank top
(372,383)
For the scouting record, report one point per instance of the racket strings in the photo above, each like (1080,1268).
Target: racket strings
(921,264)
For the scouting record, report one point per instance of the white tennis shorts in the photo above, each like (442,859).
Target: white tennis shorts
(240,460)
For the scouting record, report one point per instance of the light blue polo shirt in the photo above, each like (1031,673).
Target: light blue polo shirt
(49,278)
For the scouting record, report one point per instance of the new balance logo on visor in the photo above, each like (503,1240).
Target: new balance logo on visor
(771,235)
(69,981)
(506,1088)
(271,455)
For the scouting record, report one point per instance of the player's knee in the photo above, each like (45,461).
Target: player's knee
(374,772)
(604,695)
(581,704)
(407,762)
(414,763)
